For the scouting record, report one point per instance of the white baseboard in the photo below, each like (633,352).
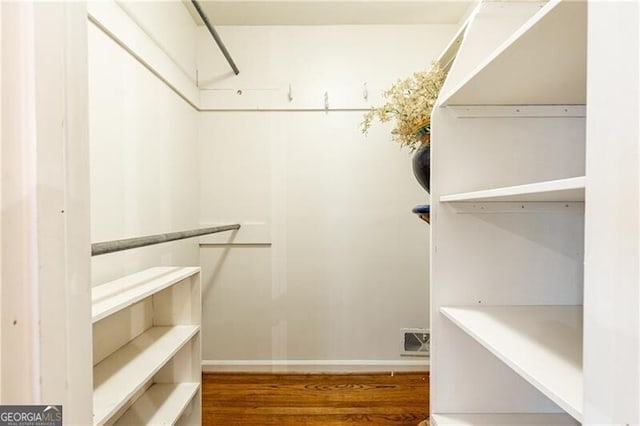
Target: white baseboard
(315,366)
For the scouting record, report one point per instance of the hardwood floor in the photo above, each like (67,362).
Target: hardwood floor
(264,399)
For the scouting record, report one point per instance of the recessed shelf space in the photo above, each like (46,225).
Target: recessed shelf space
(161,404)
(534,419)
(556,37)
(562,190)
(116,295)
(118,377)
(543,344)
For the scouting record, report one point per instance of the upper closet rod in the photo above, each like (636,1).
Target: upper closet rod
(130,243)
(216,37)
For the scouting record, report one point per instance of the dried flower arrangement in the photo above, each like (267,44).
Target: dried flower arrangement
(409,102)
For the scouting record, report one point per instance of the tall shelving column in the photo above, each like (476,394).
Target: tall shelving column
(508,198)
(612,241)
(146,348)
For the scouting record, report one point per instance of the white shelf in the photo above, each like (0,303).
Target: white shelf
(548,52)
(545,419)
(562,190)
(161,404)
(116,295)
(119,376)
(449,53)
(543,344)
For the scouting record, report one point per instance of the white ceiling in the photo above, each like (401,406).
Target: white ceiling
(330,12)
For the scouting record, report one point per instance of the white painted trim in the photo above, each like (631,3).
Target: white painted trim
(75,284)
(304,98)
(336,365)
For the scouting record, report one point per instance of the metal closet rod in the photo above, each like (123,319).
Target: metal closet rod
(216,37)
(130,243)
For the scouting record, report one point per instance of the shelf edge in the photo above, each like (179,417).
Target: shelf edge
(501,194)
(185,272)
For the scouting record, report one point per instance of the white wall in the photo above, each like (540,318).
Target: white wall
(45,211)
(144,176)
(330,263)
(170,26)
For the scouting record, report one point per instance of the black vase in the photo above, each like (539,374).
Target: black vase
(422,166)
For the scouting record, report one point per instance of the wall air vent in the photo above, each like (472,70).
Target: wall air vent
(415,341)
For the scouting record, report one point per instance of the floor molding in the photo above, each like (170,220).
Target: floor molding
(316,366)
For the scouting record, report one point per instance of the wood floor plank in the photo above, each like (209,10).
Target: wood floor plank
(318,420)
(264,399)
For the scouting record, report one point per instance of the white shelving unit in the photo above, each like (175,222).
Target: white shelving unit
(554,37)
(543,344)
(146,350)
(162,404)
(116,295)
(534,242)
